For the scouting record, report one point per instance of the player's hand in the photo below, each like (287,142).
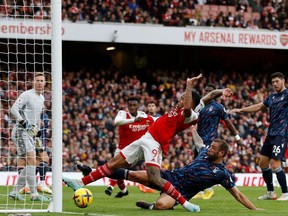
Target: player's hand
(32,130)
(38,142)
(235,111)
(194,127)
(190,81)
(240,143)
(197,77)
(226,93)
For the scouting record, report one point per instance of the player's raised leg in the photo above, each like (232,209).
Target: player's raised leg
(103,171)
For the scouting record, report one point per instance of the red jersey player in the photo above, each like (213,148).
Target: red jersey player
(133,124)
(149,147)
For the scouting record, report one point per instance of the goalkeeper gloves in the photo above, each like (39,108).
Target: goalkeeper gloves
(38,142)
(32,130)
(86,170)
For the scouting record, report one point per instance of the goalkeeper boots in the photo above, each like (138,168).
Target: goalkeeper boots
(75,184)
(40,198)
(44,188)
(270,195)
(25,190)
(15,196)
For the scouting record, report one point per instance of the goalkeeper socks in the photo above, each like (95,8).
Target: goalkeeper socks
(171,191)
(43,168)
(267,175)
(21,181)
(281,177)
(101,172)
(31,178)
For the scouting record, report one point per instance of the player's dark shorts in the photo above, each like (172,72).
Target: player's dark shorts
(275,147)
(167,176)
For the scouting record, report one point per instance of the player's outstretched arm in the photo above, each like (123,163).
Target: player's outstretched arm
(225,93)
(120,119)
(253,108)
(198,142)
(240,197)
(190,83)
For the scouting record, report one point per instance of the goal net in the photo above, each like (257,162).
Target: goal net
(25,50)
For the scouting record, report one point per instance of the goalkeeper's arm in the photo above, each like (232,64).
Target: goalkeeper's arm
(19,104)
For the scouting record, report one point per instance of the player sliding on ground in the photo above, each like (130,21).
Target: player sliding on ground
(150,147)
(204,172)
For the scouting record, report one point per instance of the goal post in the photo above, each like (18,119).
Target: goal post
(57,104)
(30,42)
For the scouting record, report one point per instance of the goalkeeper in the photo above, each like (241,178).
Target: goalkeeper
(204,172)
(26,110)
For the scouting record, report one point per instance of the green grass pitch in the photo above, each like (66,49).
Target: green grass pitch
(221,204)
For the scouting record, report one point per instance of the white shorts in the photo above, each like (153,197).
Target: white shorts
(146,148)
(22,140)
(117,151)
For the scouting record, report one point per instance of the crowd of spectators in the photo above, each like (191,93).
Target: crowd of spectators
(91,100)
(250,14)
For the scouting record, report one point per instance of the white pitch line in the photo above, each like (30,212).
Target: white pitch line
(92,214)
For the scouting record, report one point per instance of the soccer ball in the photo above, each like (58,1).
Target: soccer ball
(82,197)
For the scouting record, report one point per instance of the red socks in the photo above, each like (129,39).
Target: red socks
(121,184)
(171,191)
(113,182)
(101,172)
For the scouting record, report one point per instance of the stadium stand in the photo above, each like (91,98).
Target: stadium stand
(271,15)
(91,100)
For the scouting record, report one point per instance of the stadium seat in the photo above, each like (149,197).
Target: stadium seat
(205,7)
(231,9)
(205,14)
(199,7)
(223,8)
(214,8)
